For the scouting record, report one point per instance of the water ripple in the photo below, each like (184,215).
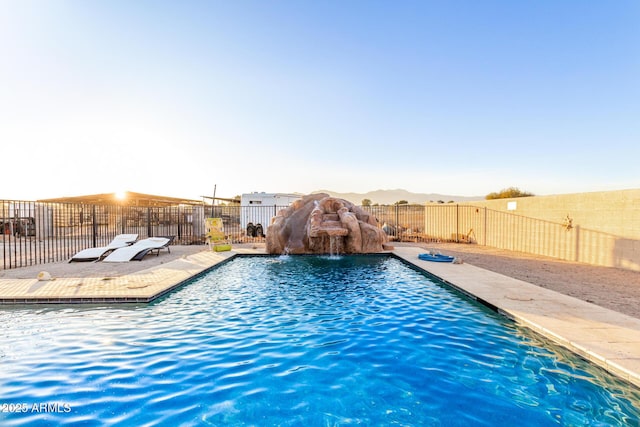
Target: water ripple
(298,340)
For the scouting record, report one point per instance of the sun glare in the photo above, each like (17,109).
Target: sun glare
(120,195)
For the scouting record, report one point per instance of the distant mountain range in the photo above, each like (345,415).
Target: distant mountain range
(389,197)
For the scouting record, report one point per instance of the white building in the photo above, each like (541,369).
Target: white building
(257,209)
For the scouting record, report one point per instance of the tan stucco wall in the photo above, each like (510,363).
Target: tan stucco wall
(614,212)
(605,226)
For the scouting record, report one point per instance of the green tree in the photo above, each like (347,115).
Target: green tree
(402,202)
(366,202)
(508,193)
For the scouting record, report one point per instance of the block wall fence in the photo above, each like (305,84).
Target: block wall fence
(599,228)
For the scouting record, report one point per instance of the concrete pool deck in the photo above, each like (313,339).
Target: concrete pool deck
(605,337)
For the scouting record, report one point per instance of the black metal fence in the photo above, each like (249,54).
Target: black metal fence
(38,233)
(35,233)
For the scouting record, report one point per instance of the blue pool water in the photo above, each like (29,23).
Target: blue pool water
(307,340)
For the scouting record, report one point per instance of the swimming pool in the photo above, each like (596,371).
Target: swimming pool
(297,340)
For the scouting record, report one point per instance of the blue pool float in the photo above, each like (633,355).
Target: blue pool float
(436,257)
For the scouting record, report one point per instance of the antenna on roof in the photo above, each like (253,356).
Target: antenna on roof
(213,201)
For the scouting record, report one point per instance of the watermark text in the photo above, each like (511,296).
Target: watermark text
(40,407)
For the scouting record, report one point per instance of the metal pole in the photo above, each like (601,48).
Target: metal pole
(397,232)
(149,230)
(457,223)
(95,226)
(213,201)
(485,226)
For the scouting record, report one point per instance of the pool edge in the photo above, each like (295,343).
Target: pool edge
(606,338)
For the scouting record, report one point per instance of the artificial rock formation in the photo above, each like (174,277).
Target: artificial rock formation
(319,224)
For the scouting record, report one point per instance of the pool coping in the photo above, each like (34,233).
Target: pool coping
(140,287)
(607,338)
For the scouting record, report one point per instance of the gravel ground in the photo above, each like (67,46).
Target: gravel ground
(608,287)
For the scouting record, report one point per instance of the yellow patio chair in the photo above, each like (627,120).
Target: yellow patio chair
(214,234)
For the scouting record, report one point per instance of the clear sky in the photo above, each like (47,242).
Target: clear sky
(452,97)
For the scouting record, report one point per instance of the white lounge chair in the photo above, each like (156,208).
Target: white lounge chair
(139,249)
(95,254)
